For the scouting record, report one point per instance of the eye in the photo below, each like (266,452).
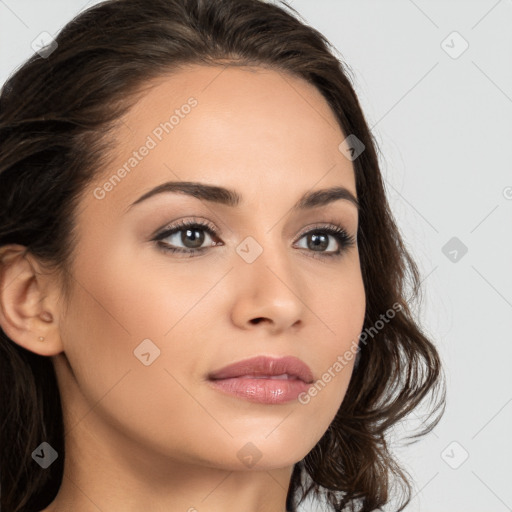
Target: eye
(190,234)
(321,240)
(317,239)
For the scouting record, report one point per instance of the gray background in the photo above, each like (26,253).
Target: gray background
(442,120)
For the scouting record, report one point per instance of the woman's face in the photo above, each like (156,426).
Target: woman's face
(144,328)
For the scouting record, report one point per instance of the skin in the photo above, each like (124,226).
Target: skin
(158,437)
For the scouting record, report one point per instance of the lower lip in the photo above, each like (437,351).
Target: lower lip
(263,391)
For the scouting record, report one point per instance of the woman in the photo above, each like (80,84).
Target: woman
(203,290)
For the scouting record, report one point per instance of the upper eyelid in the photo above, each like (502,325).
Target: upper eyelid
(180,225)
(177,225)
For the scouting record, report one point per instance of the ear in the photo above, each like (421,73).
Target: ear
(28,302)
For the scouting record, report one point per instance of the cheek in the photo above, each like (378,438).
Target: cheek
(108,318)
(340,313)
(337,302)
(345,304)
(125,298)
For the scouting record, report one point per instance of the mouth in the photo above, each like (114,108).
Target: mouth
(263,379)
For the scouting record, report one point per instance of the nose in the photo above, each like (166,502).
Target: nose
(268,292)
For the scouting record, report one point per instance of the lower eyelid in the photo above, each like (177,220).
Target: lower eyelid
(343,238)
(164,235)
(342,247)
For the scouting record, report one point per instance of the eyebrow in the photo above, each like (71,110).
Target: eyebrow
(232,198)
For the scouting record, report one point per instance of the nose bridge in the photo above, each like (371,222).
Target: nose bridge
(272,270)
(266,257)
(267,285)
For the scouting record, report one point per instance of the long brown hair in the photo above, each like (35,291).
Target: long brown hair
(56,113)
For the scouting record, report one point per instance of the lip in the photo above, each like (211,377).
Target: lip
(251,379)
(266,366)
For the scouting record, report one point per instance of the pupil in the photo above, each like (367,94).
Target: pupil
(197,241)
(323,243)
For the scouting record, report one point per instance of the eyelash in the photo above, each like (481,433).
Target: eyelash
(344,240)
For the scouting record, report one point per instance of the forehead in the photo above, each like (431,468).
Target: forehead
(249,128)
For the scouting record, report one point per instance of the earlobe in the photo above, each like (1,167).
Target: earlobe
(27,313)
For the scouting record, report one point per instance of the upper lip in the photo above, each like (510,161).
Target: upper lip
(263,365)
